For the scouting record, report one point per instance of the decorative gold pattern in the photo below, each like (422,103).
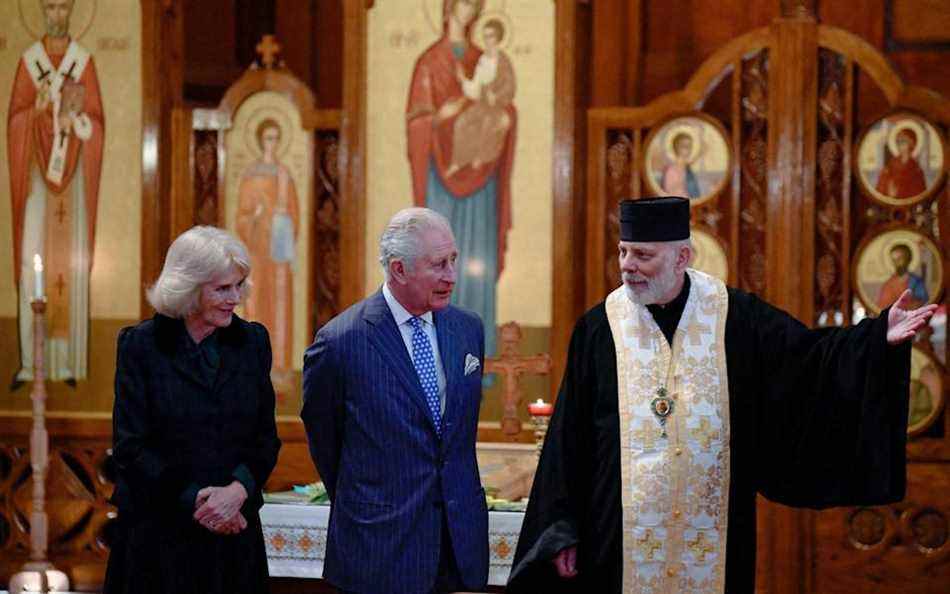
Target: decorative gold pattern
(674,490)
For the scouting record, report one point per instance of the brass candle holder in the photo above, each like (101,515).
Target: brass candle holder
(540,423)
(540,412)
(38,574)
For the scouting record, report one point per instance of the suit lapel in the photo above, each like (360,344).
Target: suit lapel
(386,338)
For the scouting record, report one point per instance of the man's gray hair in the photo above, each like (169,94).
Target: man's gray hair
(400,239)
(194,258)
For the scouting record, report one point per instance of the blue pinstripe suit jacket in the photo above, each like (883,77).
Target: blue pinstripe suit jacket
(389,476)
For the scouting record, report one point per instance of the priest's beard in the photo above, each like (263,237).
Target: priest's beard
(657,287)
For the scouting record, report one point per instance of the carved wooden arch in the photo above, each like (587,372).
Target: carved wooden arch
(282,81)
(898,94)
(692,96)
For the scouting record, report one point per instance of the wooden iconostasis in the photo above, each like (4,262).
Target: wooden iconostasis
(816,167)
(817,179)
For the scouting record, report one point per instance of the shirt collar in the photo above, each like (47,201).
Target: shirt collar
(399,312)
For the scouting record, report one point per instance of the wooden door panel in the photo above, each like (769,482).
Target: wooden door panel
(896,549)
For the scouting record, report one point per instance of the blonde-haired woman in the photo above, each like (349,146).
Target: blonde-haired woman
(194,435)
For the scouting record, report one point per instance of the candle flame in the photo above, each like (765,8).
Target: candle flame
(37,263)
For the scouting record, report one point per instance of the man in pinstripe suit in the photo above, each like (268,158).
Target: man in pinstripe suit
(392,388)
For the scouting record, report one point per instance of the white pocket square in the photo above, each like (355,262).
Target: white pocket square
(471,363)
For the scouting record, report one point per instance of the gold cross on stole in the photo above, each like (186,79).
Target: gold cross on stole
(695,332)
(705,433)
(700,547)
(648,545)
(646,434)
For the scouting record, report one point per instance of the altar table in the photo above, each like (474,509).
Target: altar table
(296,539)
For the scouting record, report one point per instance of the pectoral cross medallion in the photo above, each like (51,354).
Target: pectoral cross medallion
(662,407)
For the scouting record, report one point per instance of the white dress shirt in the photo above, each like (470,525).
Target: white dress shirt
(402,318)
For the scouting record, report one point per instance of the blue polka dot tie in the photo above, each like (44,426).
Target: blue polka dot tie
(424,361)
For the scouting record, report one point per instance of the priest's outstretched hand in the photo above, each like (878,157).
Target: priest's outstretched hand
(903,323)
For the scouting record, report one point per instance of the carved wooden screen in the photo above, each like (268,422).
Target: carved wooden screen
(832,175)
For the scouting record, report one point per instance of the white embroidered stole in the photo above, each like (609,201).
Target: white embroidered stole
(674,489)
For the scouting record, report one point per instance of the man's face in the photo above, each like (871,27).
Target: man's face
(57,16)
(428,283)
(649,271)
(901,260)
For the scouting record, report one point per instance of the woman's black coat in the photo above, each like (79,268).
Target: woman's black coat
(177,429)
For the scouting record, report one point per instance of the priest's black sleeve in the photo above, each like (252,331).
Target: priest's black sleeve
(550,523)
(832,410)
(575,498)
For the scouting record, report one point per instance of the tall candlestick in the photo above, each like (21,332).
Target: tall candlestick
(37,277)
(38,574)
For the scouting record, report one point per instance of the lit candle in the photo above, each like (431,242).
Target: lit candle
(37,277)
(540,408)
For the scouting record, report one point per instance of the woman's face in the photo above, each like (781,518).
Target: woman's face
(219,296)
(270,137)
(464,11)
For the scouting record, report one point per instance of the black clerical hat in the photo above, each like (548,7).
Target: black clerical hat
(654,219)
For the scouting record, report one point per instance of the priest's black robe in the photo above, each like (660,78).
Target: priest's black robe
(818,418)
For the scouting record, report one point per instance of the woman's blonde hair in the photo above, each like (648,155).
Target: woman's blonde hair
(194,258)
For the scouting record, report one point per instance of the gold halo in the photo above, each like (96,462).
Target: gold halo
(907,124)
(80,20)
(676,131)
(919,360)
(432,9)
(480,25)
(283,122)
(709,255)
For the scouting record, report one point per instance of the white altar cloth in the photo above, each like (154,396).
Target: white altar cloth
(296,539)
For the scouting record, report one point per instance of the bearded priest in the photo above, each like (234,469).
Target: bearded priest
(681,401)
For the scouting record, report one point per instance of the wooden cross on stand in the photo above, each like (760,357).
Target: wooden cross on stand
(511,366)
(268,48)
